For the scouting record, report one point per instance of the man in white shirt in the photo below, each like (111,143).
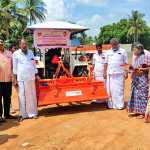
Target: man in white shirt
(25,72)
(115,74)
(98,63)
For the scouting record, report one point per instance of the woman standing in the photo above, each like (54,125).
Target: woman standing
(139,88)
(147,113)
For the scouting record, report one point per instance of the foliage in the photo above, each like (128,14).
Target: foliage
(128,31)
(136,25)
(15,15)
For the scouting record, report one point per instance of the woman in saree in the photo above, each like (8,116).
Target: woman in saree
(139,88)
(147,113)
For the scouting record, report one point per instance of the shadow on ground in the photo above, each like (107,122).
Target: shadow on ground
(9,124)
(5,137)
(72,109)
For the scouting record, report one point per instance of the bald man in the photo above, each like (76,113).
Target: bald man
(25,72)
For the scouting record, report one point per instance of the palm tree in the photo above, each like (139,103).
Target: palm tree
(34,10)
(11,18)
(15,15)
(6,10)
(136,24)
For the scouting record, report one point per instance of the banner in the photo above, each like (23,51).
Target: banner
(47,38)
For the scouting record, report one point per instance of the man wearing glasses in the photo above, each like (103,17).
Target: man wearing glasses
(115,74)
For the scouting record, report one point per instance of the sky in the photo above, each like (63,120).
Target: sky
(95,13)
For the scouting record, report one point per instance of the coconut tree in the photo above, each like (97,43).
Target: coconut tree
(15,15)
(34,10)
(6,10)
(136,25)
(10,15)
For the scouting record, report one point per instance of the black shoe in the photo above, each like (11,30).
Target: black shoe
(20,119)
(2,120)
(10,117)
(35,117)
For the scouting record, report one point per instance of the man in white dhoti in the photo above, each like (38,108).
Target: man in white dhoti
(25,72)
(98,64)
(115,74)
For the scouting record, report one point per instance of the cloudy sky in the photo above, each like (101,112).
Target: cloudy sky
(95,13)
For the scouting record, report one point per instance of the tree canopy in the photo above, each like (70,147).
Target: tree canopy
(15,15)
(128,30)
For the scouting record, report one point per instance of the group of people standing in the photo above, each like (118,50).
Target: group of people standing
(18,68)
(111,67)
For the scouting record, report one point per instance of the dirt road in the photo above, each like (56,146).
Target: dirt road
(84,127)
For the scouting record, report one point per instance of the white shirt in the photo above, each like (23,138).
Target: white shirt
(115,60)
(24,65)
(98,62)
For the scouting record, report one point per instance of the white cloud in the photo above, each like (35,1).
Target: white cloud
(93,23)
(63,10)
(55,9)
(71,5)
(93,2)
(96,21)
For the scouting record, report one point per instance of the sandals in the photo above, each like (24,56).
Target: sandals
(140,117)
(132,115)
